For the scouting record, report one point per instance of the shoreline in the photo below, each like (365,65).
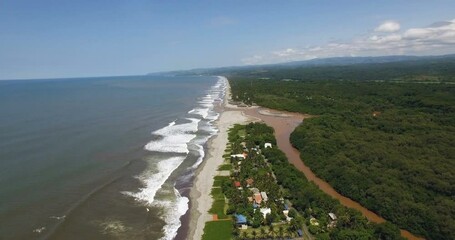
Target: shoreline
(283,124)
(200,197)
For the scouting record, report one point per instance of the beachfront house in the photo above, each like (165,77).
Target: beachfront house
(257,198)
(267,145)
(265,211)
(240,219)
(249,182)
(333,221)
(254,190)
(238,156)
(314,221)
(264,196)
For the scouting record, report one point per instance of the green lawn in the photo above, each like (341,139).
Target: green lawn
(217,230)
(217,194)
(241,133)
(217,183)
(218,208)
(225,167)
(218,180)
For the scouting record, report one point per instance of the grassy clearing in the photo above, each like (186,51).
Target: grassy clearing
(218,208)
(217,183)
(218,230)
(241,133)
(220,178)
(225,167)
(217,194)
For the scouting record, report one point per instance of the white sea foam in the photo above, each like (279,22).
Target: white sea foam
(203,112)
(201,156)
(57,217)
(153,181)
(174,137)
(39,230)
(174,210)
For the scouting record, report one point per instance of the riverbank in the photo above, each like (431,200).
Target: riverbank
(200,193)
(284,124)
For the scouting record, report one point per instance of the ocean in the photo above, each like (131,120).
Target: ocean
(102,158)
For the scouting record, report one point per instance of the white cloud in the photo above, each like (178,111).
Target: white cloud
(438,38)
(286,52)
(388,26)
(253,60)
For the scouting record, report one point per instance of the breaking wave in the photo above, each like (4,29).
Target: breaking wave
(179,139)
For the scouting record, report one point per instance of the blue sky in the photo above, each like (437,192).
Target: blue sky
(61,38)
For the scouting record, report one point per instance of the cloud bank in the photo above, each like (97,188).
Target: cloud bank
(386,39)
(388,26)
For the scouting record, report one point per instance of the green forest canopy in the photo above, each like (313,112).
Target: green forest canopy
(388,144)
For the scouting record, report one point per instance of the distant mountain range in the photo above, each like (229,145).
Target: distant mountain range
(341,61)
(334,61)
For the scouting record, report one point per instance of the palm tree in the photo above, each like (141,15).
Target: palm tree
(236,232)
(271,231)
(281,231)
(289,231)
(263,234)
(254,233)
(244,235)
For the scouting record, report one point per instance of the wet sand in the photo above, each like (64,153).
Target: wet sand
(284,124)
(200,194)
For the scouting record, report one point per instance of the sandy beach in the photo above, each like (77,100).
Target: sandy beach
(200,193)
(284,124)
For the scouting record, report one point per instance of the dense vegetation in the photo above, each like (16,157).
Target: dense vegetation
(424,70)
(389,145)
(305,197)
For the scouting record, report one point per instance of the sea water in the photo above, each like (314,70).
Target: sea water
(101,158)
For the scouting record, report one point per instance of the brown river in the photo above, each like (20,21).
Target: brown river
(284,124)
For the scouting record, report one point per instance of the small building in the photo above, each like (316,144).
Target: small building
(249,182)
(285,213)
(267,145)
(265,211)
(250,199)
(264,196)
(254,190)
(239,156)
(240,219)
(300,233)
(257,198)
(237,184)
(333,216)
(314,221)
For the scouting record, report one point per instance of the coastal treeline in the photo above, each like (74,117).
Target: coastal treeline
(268,169)
(389,145)
(439,69)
